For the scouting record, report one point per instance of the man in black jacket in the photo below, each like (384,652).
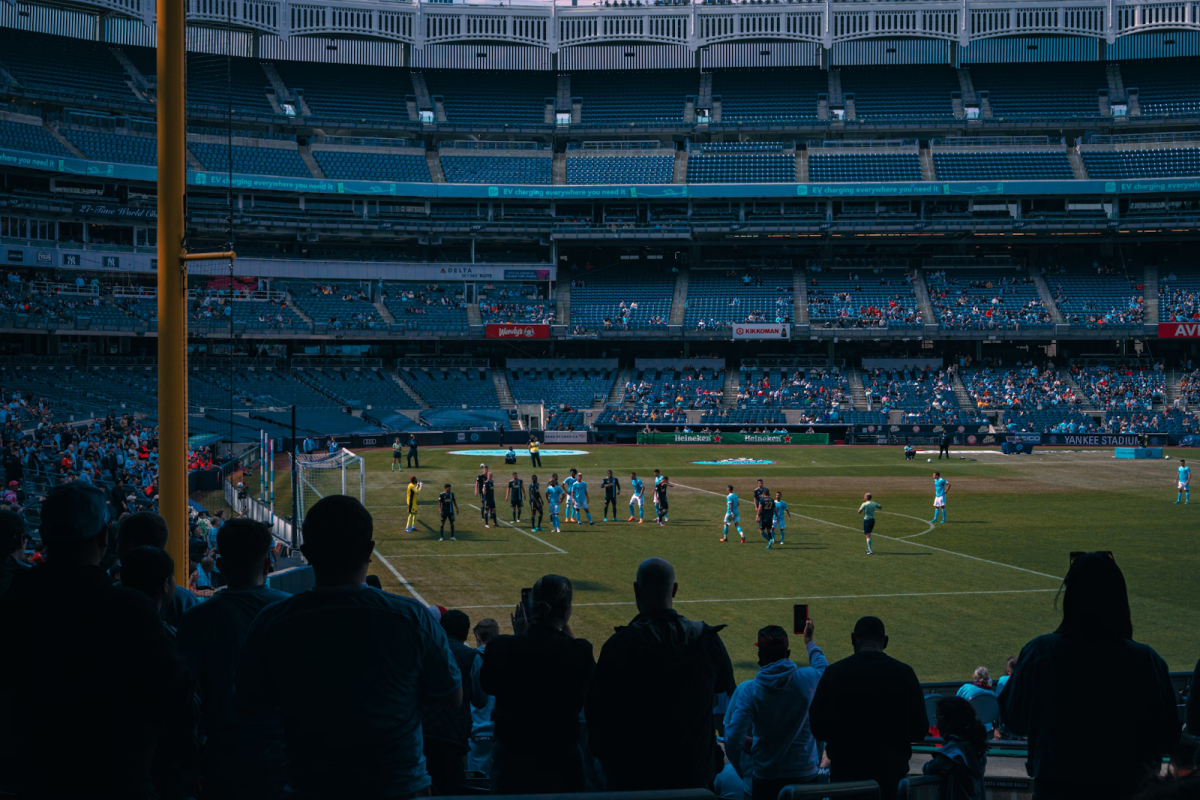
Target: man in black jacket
(656,679)
(869,709)
(447,731)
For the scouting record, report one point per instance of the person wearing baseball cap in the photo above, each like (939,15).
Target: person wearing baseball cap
(772,711)
(869,709)
(102,660)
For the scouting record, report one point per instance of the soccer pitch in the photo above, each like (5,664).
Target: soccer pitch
(953,596)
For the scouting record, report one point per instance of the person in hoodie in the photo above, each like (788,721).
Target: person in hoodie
(772,711)
(962,760)
(663,671)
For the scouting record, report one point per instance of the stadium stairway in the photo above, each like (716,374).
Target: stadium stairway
(679,299)
(1086,405)
(435,166)
(137,81)
(1077,166)
(291,303)
(281,90)
(681,163)
(1150,295)
(408,390)
(473,315)
(858,394)
(927,171)
(562,303)
(384,311)
(1047,297)
(921,290)
(799,296)
(801,165)
(729,390)
(617,392)
(960,391)
(64,141)
(558,170)
(1172,389)
(307,157)
(503,393)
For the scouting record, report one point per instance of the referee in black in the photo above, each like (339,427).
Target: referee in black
(944,445)
(412,451)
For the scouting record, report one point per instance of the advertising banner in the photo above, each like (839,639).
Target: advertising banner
(518,331)
(762,330)
(733,438)
(1106,439)
(557,437)
(1179,330)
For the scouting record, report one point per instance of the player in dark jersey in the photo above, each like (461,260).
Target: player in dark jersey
(489,500)
(766,518)
(535,503)
(612,490)
(448,507)
(759,491)
(660,499)
(516,496)
(480,479)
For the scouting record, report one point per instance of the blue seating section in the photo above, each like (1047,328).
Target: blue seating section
(425,306)
(605,289)
(1024,388)
(360,388)
(119,148)
(583,169)
(217,83)
(251,160)
(924,396)
(1170,420)
(1041,90)
(483,97)
(348,165)
(814,389)
(1097,301)
(743,416)
(1122,385)
(1178,295)
(57,66)
(622,98)
(564,420)
(258,388)
(914,93)
(453,387)
(327,304)
(969,299)
(1053,420)
(670,387)
(759,162)
(1165,89)
(768,95)
(514,302)
(577,388)
(496,169)
(825,167)
(661,418)
(956,165)
(718,300)
(1175,162)
(349,92)
(258,315)
(29,139)
(845,301)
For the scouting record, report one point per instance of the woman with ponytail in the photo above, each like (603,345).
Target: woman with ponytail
(539,677)
(962,760)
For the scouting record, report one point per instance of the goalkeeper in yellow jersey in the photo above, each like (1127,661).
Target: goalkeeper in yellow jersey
(414,487)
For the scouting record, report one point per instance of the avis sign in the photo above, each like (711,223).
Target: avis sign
(762,330)
(1179,330)
(521,332)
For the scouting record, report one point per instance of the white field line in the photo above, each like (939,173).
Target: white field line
(902,541)
(806,597)
(400,578)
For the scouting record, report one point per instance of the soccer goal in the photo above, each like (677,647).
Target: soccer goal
(323,474)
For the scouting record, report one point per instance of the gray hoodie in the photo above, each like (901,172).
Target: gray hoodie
(773,709)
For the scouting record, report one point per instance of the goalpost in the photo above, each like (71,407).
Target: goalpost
(323,474)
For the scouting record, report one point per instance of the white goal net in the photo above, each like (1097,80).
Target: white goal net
(323,474)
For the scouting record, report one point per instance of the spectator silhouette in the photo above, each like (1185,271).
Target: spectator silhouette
(773,711)
(482,728)
(102,662)
(962,760)
(359,662)
(1055,690)
(241,759)
(447,731)
(12,547)
(663,671)
(1193,703)
(147,529)
(869,709)
(539,677)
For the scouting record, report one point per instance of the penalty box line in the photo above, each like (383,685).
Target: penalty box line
(554,549)
(805,598)
(901,541)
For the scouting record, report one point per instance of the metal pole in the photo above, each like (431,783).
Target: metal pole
(295,487)
(271,465)
(172,283)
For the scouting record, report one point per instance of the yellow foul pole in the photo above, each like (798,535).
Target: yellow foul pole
(172,283)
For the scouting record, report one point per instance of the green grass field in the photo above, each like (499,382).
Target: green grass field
(953,596)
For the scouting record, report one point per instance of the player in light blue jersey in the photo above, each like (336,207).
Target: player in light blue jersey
(570,505)
(940,487)
(579,497)
(639,491)
(781,515)
(658,478)
(1184,484)
(554,496)
(731,515)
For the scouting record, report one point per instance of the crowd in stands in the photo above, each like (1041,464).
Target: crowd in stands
(669,388)
(1167,420)
(925,396)
(511,305)
(811,388)
(1122,386)
(194,702)
(1020,387)
(1178,301)
(1189,387)
(966,302)
(844,303)
(1104,298)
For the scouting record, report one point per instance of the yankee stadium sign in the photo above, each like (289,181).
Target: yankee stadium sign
(1179,330)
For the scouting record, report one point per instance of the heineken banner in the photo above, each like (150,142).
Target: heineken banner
(733,438)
